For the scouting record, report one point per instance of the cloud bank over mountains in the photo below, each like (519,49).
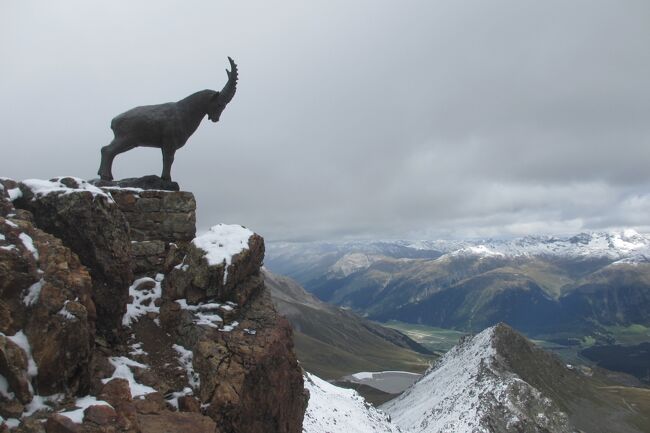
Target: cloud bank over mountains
(364,119)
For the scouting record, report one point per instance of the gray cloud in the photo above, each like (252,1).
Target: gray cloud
(352,119)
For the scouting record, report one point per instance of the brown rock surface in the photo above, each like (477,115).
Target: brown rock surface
(92,226)
(45,293)
(175,422)
(249,376)
(188,403)
(252,380)
(116,392)
(13,366)
(60,424)
(100,415)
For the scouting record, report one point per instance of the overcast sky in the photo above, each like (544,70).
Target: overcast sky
(374,119)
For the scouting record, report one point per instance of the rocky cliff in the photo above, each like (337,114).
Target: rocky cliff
(115,317)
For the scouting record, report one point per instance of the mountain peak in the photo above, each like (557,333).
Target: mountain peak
(474,388)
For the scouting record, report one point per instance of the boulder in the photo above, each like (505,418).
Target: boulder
(60,424)
(89,222)
(235,279)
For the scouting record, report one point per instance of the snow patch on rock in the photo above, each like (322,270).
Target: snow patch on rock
(28,242)
(65,313)
(144,300)
(123,366)
(83,403)
(221,243)
(185,358)
(21,341)
(42,187)
(33,292)
(14,193)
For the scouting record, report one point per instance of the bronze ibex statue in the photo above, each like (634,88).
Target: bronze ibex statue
(166,126)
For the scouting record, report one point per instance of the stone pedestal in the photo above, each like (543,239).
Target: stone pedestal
(159,221)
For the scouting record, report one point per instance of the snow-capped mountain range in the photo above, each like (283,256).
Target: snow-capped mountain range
(307,260)
(626,245)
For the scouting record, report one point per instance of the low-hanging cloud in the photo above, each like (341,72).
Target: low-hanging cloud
(352,119)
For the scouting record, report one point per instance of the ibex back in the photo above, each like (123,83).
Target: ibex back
(166,126)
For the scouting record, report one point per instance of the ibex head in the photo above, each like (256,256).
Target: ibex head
(221,99)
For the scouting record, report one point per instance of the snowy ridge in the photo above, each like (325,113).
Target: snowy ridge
(338,410)
(627,245)
(352,262)
(468,391)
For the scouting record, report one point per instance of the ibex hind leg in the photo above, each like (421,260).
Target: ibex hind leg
(117,146)
(168,160)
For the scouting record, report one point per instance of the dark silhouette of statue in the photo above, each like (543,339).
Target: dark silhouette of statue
(166,126)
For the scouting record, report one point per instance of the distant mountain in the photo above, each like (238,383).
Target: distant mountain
(332,342)
(303,261)
(498,381)
(540,284)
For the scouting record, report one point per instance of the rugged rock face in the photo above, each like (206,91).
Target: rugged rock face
(47,316)
(90,224)
(203,348)
(249,375)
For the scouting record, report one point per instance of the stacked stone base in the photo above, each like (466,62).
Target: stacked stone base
(160,223)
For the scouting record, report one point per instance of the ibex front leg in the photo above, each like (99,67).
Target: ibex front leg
(117,146)
(168,160)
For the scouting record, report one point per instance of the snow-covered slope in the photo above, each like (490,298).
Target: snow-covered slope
(471,390)
(338,410)
(351,263)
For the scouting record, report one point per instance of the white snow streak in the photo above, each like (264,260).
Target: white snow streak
(33,293)
(29,244)
(123,371)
